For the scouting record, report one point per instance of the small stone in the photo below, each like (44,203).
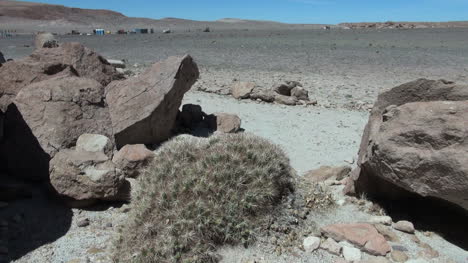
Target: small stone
(83,223)
(429,253)
(351,253)
(341,202)
(109,225)
(384,220)
(331,246)
(311,244)
(404,226)
(399,256)
(374,259)
(93,143)
(399,248)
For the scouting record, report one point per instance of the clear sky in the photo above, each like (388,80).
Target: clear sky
(289,11)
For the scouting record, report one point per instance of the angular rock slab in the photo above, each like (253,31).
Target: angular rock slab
(144,109)
(60,110)
(365,236)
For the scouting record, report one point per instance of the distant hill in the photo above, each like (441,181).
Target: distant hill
(37,11)
(28,17)
(404,25)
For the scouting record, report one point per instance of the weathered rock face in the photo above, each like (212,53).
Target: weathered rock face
(286,100)
(87,176)
(70,59)
(415,142)
(45,40)
(144,109)
(422,147)
(59,110)
(132,159)
(242,90)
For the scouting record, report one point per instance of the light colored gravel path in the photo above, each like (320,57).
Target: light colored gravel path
(311,136)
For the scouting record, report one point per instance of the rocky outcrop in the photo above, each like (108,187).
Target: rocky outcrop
(59,110)
(45,40)
(144,109)
(416,142)
(70,59)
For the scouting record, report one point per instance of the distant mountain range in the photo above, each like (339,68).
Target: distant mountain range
(28,17)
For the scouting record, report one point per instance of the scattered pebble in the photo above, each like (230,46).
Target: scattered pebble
(351,253)
(311,243)
(83,223)
(404,226)
(384,220)
(399,256)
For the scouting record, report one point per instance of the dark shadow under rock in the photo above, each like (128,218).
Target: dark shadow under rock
(33,222)
(427,214)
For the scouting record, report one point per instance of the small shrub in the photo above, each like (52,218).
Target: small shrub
(199,194)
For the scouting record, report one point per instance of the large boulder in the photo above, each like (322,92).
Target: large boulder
(144,108)
(59,110)
(45,40)
(87,177)
(70,59)
(415,142)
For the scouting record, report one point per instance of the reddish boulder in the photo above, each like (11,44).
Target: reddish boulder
(365,236)
(143,109)
(224,122)
(415,142)
(132,159)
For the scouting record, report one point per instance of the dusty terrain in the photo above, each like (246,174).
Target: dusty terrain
(342,69)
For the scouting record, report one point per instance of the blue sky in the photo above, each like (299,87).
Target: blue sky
(289,11)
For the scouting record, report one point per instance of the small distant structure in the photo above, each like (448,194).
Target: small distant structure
(167,31)
(141,30)
(99,32)
(326,28)
(152,30)
(121,32)
(75,32)
(207,30)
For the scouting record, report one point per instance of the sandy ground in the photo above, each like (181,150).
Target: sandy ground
(340,68)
